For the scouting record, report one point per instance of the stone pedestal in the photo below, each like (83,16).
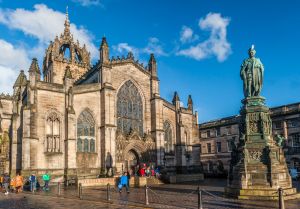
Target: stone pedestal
(258,167)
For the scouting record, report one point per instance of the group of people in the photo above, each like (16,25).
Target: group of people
(17,183)
(147,171)
(140,170)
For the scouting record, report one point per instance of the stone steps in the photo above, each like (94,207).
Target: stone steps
(265,192)
(261,194)
(286,197)
(153,181)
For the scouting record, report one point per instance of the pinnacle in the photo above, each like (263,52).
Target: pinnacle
(67,24)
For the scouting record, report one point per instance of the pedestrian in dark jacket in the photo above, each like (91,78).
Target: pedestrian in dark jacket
(32,180)
(6,182)
(128,178)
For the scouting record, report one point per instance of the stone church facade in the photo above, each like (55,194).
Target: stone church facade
(83,120)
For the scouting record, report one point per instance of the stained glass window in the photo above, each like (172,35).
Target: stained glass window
(168,137)
(86,132)
(129,109)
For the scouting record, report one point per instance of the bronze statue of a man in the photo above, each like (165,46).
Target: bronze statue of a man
(252,72)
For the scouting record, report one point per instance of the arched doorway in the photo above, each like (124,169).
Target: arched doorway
(131,160)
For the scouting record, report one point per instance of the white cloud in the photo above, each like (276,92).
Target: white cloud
(153,46)
(187,35)
(87,3)
(12,59)
(125,47)
(44,24)
(216,45)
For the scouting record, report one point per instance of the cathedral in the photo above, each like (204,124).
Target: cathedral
(73,119)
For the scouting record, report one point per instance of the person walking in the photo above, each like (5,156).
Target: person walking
(6,182)
(46,179)
(32,180)
(19,183)
(123,182)
(128,178)
(1,183)
(13,184)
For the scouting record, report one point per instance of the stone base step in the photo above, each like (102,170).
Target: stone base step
(261,194)
(286,197)
(153,181)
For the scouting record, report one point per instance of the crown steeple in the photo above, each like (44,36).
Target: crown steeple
(62,52)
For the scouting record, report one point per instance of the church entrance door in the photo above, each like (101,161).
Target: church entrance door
(131,160)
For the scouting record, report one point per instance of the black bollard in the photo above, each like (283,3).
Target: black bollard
(58,188)
(146,195)
(199,198)
(108,192)
(80,191)
(281,198)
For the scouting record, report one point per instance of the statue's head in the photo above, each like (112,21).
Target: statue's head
(251,51)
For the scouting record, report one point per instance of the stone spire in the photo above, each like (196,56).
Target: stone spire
(104,51)
(67,24)
(152,65)
(190,103)
(34,67)
(34,70)
(175,98)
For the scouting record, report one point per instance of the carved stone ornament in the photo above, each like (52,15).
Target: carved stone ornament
(255,155)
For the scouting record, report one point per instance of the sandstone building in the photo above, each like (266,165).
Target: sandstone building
(72,119)
(215,138)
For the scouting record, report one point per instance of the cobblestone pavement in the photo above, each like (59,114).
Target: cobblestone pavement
(160,196)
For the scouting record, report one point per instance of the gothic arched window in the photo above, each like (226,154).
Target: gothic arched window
(53,133)
(85,132)
(168,137)
(129,109)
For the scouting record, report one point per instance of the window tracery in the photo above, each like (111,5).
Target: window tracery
(85,132)
(53,124)
(129,109)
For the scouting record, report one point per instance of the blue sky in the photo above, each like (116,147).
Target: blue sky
(199,44)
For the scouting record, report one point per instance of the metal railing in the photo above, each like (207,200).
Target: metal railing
(154,196)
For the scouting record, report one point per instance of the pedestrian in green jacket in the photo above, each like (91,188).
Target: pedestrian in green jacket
(46,179)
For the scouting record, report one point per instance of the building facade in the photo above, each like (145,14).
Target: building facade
(216,137)
(75,119)
(5,123)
